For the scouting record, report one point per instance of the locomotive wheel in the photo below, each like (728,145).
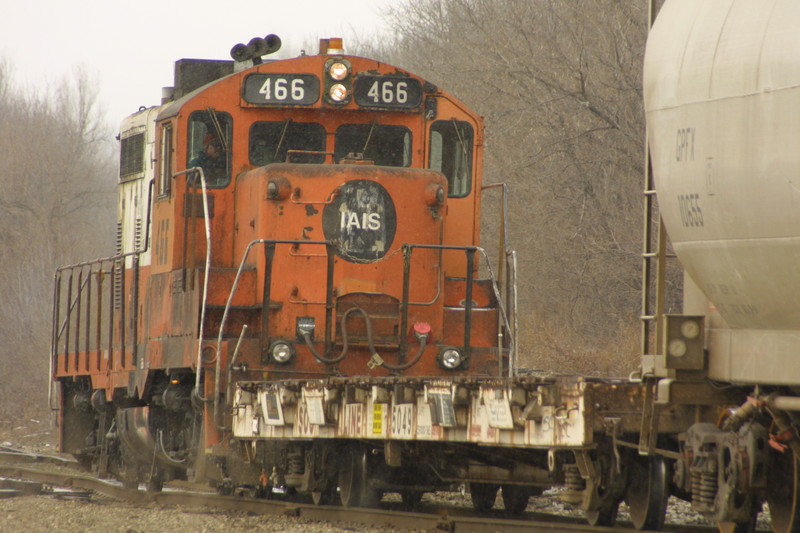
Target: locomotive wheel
(411,498)
(515,498)
(647,492)
(129,475)
(320,463)
(483,496)
(324,497)
(783,492)
(354,489)
(155,481)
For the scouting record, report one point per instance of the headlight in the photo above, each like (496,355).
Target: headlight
(450,358)
(338,92)
(281,352)
(338,71)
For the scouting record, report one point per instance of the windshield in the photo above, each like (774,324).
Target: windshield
(270,142)
(383,144)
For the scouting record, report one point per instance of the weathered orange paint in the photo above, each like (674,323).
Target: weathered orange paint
(163,309)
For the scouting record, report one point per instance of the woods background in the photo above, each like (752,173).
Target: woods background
(559,84)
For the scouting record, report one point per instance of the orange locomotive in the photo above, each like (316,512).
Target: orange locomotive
(284,227)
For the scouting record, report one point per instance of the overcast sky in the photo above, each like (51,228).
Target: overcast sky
(130,46)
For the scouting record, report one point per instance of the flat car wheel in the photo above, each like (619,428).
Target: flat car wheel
(483,496)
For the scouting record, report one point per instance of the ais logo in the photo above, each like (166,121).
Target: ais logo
(361,220)
(368,221)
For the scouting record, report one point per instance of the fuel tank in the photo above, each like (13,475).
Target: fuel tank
(722,100)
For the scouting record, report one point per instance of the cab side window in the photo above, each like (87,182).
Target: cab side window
(451,154)
(165,178)
(210,146)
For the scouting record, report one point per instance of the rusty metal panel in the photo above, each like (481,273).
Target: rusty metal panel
(193,205)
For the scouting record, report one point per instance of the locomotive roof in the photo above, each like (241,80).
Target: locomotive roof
(193,76)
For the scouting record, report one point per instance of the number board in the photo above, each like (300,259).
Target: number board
(281,89)
(388,91)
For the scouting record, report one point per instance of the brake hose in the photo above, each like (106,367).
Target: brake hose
(421,335)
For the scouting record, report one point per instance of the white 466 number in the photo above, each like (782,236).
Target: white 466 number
(389,92)
(281,89)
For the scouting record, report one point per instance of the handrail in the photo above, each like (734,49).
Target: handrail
(202,175)
(504,255)
(224,319)
(470,250)
(58,331)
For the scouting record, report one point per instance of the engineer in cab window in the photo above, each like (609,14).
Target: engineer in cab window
(212,160)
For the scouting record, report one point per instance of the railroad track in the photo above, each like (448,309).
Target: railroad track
(31,474)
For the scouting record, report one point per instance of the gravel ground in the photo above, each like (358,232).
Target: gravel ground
(99,514)
(33,514)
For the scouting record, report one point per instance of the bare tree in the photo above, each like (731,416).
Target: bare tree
(57,178)
(559,83)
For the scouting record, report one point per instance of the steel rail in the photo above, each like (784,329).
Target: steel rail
(432,518)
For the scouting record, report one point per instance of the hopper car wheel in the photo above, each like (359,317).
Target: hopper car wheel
(483,496)
(783,492)
(743,527)
(605,515)
(647,492)
(515,498)
(353,478)
(607,494)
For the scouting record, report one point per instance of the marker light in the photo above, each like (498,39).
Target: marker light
(338,92)
(450,358)
(338,71)
(278,189)
(434,195)
(272,190)
(281,352)
(335,45)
